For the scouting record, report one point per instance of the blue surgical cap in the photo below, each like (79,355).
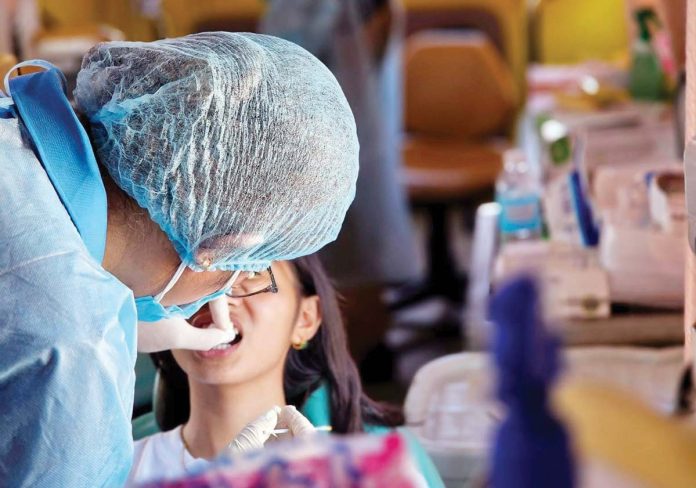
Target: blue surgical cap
(242,147)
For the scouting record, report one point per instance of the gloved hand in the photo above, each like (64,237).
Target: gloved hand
(296,423)
(255,435)
(177,333)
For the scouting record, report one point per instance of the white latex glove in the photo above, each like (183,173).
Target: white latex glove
(255,434)
(220,312)
(258,432)
(296,423)
(177,333)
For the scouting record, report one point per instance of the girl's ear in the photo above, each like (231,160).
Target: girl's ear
(308,320)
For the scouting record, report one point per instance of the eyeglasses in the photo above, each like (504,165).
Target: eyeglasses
(250,283)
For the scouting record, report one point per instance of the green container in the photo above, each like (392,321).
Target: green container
(647,80)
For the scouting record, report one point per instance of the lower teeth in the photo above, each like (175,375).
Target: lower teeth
(227,345)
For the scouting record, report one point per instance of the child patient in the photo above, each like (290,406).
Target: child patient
(290,350)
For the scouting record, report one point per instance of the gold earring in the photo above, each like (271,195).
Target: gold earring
(299,346)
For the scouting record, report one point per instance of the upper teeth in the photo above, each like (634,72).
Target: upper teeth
(236,332)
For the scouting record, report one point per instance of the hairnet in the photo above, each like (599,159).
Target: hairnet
(242,147)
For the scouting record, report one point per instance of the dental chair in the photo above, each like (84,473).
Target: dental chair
(503,22)
(460,105)
(145,374)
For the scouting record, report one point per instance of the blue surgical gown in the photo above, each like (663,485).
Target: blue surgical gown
(67,339)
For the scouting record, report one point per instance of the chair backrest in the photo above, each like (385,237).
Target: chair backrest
(182,17)
(145,374)
(569,31)
(504,22)
(456,85)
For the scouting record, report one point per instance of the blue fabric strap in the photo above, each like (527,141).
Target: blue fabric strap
(64,150)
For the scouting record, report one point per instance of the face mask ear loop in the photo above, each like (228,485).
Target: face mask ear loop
(31,62)
(172,282)
(232,279)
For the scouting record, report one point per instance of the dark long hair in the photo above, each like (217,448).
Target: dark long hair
(325,359)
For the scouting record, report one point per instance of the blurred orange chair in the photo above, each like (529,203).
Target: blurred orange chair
(182,17)
(504,22)
(125,16)
(64,40)
(7,61)
(65,46)
(459,95)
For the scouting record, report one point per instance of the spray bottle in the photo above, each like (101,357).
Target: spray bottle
(647,80)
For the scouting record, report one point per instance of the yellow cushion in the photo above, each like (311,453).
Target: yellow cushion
(617,429)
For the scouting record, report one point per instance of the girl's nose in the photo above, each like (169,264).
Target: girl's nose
(234,301)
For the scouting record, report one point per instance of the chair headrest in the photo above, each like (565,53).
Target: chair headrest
(457,84)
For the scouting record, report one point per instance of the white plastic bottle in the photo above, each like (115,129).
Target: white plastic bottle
(518,191)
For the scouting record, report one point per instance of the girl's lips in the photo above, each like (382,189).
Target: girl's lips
(204,320)
(218,353)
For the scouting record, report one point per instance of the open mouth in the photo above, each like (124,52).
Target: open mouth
(203,320)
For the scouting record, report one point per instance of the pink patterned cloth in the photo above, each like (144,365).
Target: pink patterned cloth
(318,462)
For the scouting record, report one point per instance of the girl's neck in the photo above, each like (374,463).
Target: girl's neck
(220,412)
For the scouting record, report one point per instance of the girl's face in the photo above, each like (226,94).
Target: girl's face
(268,325)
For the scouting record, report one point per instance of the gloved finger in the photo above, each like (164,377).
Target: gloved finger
(295,422)
(155,336)
(176,333)
(220,313)
(191,337)
(255,434)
